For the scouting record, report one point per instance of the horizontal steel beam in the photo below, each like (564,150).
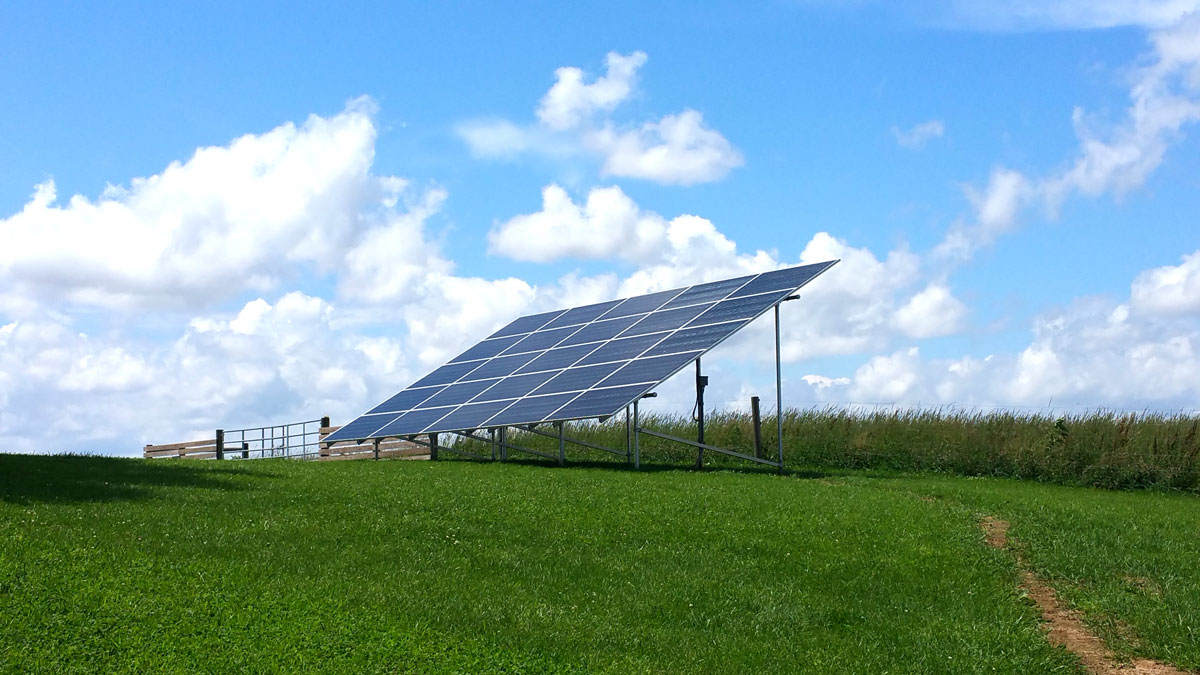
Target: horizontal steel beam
(576,441)
(706,446)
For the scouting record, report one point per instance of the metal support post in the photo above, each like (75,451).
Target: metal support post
(701,382)
(778,391)
(492,433)
(637,455)
(375,447)
(433,446)
(628,439)
(220,444)
(562,445)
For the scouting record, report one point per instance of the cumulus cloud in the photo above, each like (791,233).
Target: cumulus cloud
(574,118)
(608,224)
(917,136)
(932,312)
(1092,353)
(1172,289)
(571,100)
(232,216)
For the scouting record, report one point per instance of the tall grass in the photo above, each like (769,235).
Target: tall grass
(1116,451)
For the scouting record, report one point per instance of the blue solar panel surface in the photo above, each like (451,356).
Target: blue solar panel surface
(589,361)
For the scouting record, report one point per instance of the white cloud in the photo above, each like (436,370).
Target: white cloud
(1090,354)
(574,118)
(1172,289)
(822,382)
(887,378)
(607,225)
(1165,98)
(495,138)
(232,217)
(996,210)
(571,101)
(932,312)
(917,136)
(392,258)
(676,149)
(1065,14)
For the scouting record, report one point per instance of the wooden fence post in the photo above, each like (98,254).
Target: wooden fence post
(757,426)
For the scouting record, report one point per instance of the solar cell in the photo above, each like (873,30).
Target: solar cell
(405,400)
(600,402)
(515,387)
(471,416)
(642,303)
(577,379)
(668,319)
(363,427)
(557,358)
(581,362)
(746,307)
(534,409)
(446,374)
(457,394)
(501,366)
(716,290)
(620,350)
(413,422)
(543,339)
(487,348)
(689,339)
(790,278)
(578,315)
(652,370)
(527,324)
(601,330)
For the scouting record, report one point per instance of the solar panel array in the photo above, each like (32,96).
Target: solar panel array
(577,363)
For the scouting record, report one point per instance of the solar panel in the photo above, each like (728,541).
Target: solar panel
(577,363)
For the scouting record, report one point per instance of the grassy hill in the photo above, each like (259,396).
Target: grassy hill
(403,566)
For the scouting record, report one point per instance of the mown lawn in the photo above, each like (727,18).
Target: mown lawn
(277,565)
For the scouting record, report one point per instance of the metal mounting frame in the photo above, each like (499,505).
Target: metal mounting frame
(500,445)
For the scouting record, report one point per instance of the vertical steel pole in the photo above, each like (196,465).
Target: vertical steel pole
(699,414)
(562,446)
(433,446)
(220,444)
(628,440)
(493,433)
(637,453)
(375,447)
(503,444)
(778,390)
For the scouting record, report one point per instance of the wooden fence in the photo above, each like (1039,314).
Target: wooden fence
(206,448)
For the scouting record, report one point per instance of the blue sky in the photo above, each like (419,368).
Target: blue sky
(232,215)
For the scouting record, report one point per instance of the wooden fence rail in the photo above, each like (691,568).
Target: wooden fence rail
(391,447)
(206,448)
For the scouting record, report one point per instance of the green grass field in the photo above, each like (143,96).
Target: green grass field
(409,566)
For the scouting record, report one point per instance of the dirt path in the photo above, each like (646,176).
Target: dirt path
(1064,626)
